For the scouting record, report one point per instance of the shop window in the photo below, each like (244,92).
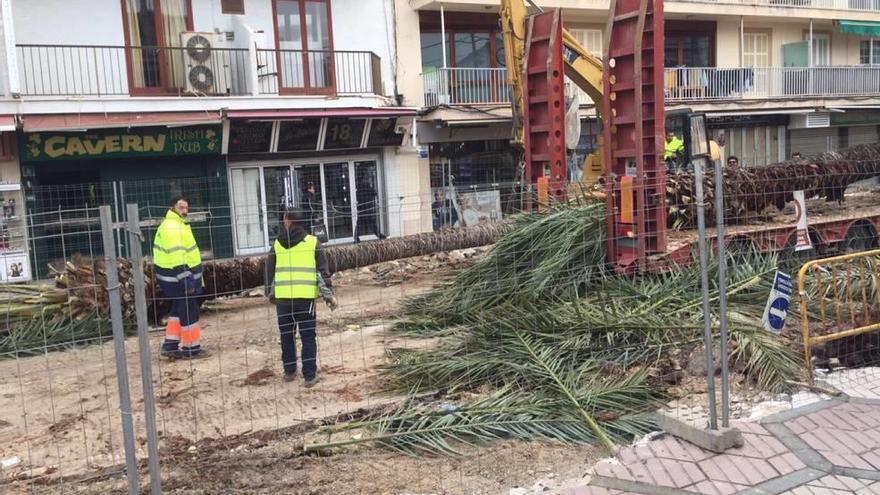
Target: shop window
(232,6)
(250,137)
(344,133)
(299,135)
(383,132)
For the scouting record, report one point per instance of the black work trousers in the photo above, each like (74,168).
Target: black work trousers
(298,314)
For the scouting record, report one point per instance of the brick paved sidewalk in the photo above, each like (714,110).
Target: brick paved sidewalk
(830,447)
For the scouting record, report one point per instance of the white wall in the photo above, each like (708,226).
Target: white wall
(59,22)
(366,25)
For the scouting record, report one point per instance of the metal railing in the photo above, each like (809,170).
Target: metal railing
(466,86)
(860,5)
(319,71)
(714,83)
(68,70)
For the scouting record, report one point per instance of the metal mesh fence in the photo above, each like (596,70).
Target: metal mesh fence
(476,351)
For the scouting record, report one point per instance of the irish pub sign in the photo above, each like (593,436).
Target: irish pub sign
(120,143)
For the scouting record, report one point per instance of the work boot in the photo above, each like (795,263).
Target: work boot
(170,353)
(192,353)
(310,382)
(289,377)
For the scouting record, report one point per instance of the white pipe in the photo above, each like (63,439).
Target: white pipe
(14,87)
(810,45)
(742,42)
(443,32)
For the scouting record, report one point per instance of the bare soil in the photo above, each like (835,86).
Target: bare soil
(229,424)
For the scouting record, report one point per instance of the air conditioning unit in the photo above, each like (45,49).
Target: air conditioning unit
(206,63)
(813,120)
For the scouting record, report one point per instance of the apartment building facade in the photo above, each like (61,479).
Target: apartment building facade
(774,77)
(246,107)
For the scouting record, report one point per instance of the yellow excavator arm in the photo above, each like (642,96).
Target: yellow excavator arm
(581,67)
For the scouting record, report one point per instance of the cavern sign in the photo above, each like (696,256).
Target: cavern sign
(116,143)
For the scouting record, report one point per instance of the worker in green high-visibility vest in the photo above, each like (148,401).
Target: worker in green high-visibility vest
(297,273)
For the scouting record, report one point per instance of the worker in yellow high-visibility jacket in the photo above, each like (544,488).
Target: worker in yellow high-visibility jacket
(673,147)
(297,273)
(178,269)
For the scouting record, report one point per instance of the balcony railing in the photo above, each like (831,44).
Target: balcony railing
(464,86)
(66,70)
(858,5)
(713,83)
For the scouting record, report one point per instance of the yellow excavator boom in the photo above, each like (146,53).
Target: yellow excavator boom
(581,67)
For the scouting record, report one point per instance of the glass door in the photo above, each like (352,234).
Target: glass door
(279,197)
(247,214)
(308,194)
(369,207)
(337,201)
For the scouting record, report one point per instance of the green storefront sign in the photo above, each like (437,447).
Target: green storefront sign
(118,143)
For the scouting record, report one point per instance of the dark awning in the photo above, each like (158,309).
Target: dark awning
(322,112)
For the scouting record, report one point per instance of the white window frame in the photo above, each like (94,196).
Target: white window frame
(754,54)
(873,50)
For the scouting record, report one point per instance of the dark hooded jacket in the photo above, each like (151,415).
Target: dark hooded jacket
(289,238)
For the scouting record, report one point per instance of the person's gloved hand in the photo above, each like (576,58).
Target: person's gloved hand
(192,287)
(332,303)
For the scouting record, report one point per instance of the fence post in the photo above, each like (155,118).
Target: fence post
(131,472)
(699,164)
(143,327)
(722,293)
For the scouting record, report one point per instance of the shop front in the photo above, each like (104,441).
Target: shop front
(67,174)
(333,168)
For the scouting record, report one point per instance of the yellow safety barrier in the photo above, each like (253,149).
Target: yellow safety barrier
(845,290)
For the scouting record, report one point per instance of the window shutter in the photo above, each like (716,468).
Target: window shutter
(232,6)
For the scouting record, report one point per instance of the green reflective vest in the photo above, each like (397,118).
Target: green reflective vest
(672,147)
(174,244)
(296,270)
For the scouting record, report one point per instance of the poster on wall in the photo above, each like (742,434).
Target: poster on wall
(479,206)
(14,268)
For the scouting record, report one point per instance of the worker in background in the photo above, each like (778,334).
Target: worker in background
(178,267)
(312,206)
(796,156)
(732,161)
(674,146)
(673,151)
(297,272)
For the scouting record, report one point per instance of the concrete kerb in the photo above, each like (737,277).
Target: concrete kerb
(856,473)
(784,416)
(798,447)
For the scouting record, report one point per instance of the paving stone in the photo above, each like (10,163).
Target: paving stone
(786,463)
(716,488)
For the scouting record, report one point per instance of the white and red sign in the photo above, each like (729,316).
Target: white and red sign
(803,234)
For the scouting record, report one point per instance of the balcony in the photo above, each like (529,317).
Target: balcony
(765,83)
(101,71)
(465,86)
(854,5)
(486,87)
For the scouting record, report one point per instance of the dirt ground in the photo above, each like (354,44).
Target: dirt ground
(228,423)
(60,412)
